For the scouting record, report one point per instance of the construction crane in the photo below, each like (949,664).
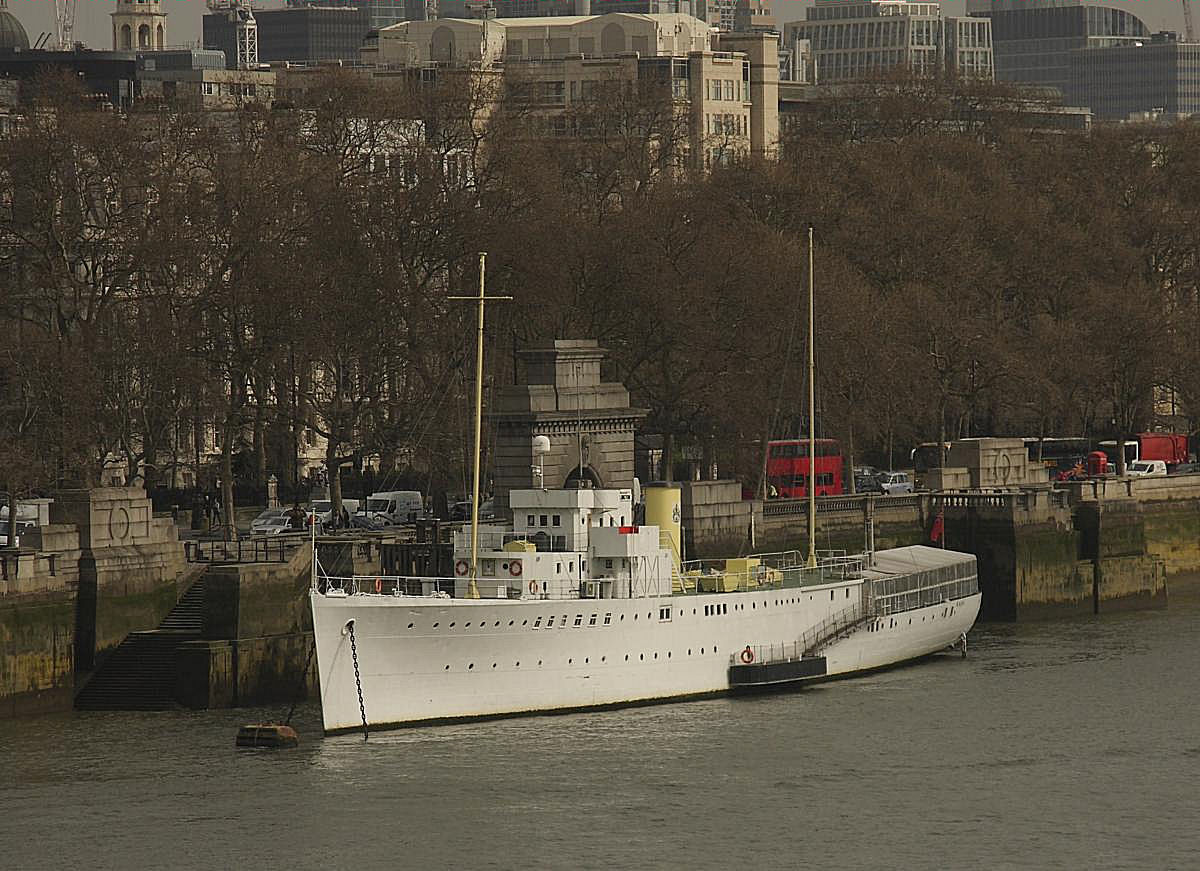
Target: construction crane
(1188,28)
(64,23)
(240,13)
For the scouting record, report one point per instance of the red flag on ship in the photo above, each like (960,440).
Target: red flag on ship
(939,526)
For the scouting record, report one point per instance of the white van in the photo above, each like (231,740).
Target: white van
(393,507)
(1147,469)
(323,510)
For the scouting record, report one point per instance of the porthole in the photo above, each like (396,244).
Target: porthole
(518,663)
(668,654)
(498,623)
(468,625)
(635,616)
(701,649)
(570,661)
(493,665)
(622,616)
(524,622)
(586,660)
(642,657)
(510,622)
(447,668)
(539,663)
(604,659)
(451,626)
(689,651)
(471,666)
(627,657)
(656,656)
(410,626)
(435,626)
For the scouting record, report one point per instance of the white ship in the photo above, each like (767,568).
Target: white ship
(579,608)
(576,606)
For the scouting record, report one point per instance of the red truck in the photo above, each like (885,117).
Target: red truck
(1171,448)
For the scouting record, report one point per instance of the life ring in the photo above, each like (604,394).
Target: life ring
(461,567)
(379,585)
(747,655)
(514,568)
(533,586)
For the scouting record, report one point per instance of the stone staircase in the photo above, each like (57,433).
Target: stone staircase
(140,674)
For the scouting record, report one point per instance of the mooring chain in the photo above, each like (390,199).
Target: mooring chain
(357,678)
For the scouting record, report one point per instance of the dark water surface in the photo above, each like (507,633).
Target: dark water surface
(1055,745)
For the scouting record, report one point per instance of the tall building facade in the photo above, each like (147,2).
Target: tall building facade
(1033,39)
(139,25)
(300,34)
(1159,76)
(856,40)
(380,13)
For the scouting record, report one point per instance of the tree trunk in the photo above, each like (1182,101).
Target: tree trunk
(333,470)
(227,507)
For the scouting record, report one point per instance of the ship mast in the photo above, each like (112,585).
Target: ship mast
(472,587)
(812,416)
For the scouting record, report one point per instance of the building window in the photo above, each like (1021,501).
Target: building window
(557,520)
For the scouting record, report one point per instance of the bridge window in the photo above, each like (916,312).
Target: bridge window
(578,619)
(592,621)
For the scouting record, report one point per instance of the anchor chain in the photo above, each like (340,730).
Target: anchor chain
(357,678)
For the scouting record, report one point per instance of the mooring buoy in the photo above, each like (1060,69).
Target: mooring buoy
(267,735)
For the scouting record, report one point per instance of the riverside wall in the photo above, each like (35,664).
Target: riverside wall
(257,635)
(1084,548)
(103,567)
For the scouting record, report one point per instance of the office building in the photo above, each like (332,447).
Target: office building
(200,79)
(854,40)
(300,34)
(725,94)
(1154,79)
(1033,39)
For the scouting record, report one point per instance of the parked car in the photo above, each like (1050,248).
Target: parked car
(273,526)
(322,509)
(394,507)
(260,523)
(894,483)
(1147,469)
(867,483)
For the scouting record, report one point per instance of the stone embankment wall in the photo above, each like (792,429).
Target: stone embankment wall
(103,567)
(1084,548)
(257,635)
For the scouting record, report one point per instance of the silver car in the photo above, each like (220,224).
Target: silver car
(894,483)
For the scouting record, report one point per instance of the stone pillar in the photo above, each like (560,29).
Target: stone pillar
(128,566)
(589,422)
(272,492)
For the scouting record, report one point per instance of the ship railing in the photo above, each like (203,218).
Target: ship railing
(920,596)
(775,571)
(386,585)
(759,654)
(834,625)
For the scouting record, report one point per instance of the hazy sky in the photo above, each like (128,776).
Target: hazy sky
(183,26)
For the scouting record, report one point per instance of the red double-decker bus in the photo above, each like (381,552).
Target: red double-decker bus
(788,468)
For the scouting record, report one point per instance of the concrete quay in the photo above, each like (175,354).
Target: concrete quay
(1082,548)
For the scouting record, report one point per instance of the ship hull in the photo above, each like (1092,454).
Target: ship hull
(423,661)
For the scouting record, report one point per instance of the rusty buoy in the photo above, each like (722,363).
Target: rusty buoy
(267,735)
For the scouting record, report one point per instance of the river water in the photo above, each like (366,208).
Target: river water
(1072,744)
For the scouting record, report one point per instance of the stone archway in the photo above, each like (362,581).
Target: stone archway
(587,475)
(144,36)
(126,36)
(158,41)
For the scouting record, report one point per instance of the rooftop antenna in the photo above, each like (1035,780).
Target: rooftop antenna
(481,299)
